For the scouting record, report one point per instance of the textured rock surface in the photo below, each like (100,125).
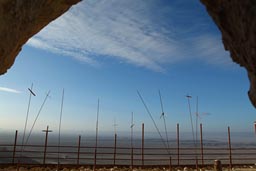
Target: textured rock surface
(236,20)
(20,20)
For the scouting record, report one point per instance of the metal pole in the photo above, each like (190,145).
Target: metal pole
(132,159)
(96,141)
(115,150)
(142,146)
(196,163)
(163,115)
(30,132)
(95,157)
(178,144)
(14,146)
(230,153)
(170,164)
(132,124)
(46,140)
(202,145)
(61,109)
(78,150)
(150,115)
(191,120)
(26,122)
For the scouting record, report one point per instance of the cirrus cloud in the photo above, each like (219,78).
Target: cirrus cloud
(9,90)
(152,34)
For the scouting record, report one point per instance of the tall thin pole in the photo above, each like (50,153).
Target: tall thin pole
(115,138)
(192,129)
(191,120)
(30,132)
(230,151)
(14,146)
(178,144)
(132,125)
(96,140)
(97,123)
(142,146)
(26,122)
(170,163)
(163,116)
(115,149)
(197,115)
(202,144)
(61,109)
(78,149)
(46,140)
(150,115)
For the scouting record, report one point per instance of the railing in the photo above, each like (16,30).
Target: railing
(116,155)
(34,154)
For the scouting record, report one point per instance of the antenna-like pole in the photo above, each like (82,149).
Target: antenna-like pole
(197,116)
(26,122)
(191,120)
(132,125)
(46,141)
(30,132)
(96,140)
(97,123)
(61,109)
(163,115)
(150,115)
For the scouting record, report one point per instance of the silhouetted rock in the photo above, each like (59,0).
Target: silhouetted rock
(236,20)
(20,20)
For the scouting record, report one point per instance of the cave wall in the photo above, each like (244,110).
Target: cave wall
(20,20)
(236,20)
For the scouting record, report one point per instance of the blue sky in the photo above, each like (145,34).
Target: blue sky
(109,49)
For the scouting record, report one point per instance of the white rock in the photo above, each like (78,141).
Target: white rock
(65,169)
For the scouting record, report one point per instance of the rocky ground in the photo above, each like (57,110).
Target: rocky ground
(240,168)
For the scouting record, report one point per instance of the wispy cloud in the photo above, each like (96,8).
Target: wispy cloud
(9,90)
(149,33)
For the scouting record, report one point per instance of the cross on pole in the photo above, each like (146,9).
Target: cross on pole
(46,140)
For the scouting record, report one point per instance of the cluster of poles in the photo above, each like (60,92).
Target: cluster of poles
(24,143)
(176,160)
(165,140)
